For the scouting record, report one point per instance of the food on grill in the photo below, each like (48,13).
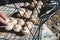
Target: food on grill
(34,18)
(9,26)
(18,15)
(14,22)
(26,18)
(27,14)
(10,23)
(32,4)
(25,30)
(27,4)
(35,2)
(20,22)
(39,4)
(17,28)
(30,25)
(21,12)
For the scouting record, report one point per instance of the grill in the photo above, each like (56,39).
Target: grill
(36,34)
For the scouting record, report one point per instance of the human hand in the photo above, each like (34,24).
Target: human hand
(3,18)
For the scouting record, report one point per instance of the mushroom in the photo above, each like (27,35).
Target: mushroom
(22,11)
(29,25)
(20,22)
(25,30)
(9,26)
(34,15)
(18,15)
(27,14)
(12,20)
(39,4)
(32,4)
(36,20)
(27,4)
(35,2)
(17,28)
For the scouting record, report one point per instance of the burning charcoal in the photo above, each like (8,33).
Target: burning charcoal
(29,25)
(9,26)
(20,22)
(27,4)
(27,14)
(17,28)
(25,30)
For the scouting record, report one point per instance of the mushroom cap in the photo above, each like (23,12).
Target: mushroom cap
(9,26)
(25,30)
(17,28)
(20,22)
(29,25)
(27,14)
(22,11)
(27,4)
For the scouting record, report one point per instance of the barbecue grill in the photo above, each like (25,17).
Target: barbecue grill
(36,33)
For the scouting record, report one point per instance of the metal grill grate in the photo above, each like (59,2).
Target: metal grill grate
(10,9)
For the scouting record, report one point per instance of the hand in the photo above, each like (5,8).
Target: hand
(3,18)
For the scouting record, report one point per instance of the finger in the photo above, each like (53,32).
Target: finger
(2,21)
(3,15)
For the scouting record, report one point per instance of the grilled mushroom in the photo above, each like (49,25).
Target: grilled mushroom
(27,14)
(34,18)
(9,26)
(25,30)
(32,4)
(17,28)
(35,2)
(29,25)
(12,20)
(27,4)
(10,23)
(22,11)
(20,22)
(39,4)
